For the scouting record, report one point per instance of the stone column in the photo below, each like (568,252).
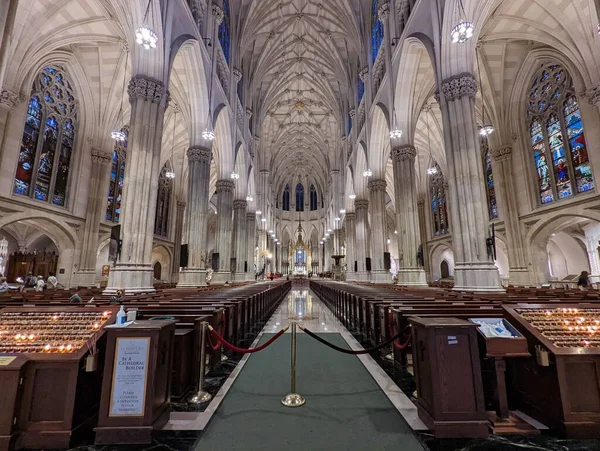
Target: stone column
(250,244)
(148,98)
(407,219)
(361,206)
(224,230)
(378,232)
(8,100)
(474,268)
(507,202)
(423,233)
(96,209)
(178,237)
(350,245)
(196,219)
(241,248)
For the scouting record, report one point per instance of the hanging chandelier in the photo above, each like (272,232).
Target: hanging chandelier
(235,175)
(432,171)
(118,135)
(249,199)
(146,37)
(367,173)
(208,135)
(396,134)
(352,196)
(486,130)
(462,32)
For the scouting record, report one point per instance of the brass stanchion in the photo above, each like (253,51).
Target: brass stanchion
(293,399)
(202,396)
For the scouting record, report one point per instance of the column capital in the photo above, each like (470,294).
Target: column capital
(501,153)
(361,204)
(201,154)
(218,14)
(237,74)
(181,204)
(9,98)
(264,172)
(459,86)
(404,153)
(101,157)
(225,186)
(350,216)
(377,185)
(364,73)
(384,11)
(251,216)
(592,95)
(335,172)
(240,204)
(146,88)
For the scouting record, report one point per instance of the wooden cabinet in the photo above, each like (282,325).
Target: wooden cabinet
(448,375)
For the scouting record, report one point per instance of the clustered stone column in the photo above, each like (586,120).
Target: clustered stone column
(241,249)
(96,208)
(199,159)
(361,206)
(474,268)
(148,98)
(178,237)
(423,234)
(350,227)
(407,219)
(250,244)
(224,228)
(378,232)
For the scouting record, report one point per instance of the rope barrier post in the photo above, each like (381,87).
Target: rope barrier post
(293,399)
(202,396)
(224,358)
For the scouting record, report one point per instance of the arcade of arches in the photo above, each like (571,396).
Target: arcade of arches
(362,119)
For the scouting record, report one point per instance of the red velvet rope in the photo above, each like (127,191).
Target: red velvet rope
(242,350)
(391,331)
(218,345)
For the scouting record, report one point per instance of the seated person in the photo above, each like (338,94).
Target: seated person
(52,281)
(117,298)
(40,284)
(75,299)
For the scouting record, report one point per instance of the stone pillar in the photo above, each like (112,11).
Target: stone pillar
(8,100)
(350,245)
(178,237)
(250,244)
(224,230)
(507,202)
(474,269)
(361,206)
(423,234)
(96,209)
(148,98)
(241,248)
(378,232)
(196,219)
(407,219)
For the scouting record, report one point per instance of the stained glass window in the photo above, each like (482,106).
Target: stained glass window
(163,202)
(489,180)
(299,197)
(117,177)
(286,198)
(313,198)
(376,30)
(553,114)
(43,166)
(224,31)
(439,210)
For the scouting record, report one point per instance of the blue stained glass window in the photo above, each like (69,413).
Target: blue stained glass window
(29,144)
(376,30)
(361,90)
(489,181)
(286,198)
(584,179)
(224,31)
(64,161)
(439,210)
(117,177)
(299,197)
(313,198)
(46,162)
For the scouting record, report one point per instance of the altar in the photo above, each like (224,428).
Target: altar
(300,254)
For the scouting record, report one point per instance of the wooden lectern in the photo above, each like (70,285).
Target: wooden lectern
(136,384)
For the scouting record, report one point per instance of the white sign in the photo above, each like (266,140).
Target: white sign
(130,377)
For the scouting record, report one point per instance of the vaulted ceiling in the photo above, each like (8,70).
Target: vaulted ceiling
(300,54)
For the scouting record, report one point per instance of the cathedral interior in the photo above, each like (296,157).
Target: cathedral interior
(389,176)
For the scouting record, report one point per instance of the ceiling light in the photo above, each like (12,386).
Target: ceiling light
(208,135)
(170,174)
(431,171)
(486,130)
(118,135)
(270,231)
(352,196)
(337,219)
(342,211)
(264,219)
(249,199)
(235,175)
(389,241)
(329,230)
(258,212)
(462,32)
(367,173)
(146,37)
(396,134)
(396,232)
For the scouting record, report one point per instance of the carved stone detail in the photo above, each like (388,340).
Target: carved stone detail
(264,172)
(335,172)
(459,86)
(10,98)
(384,11)
(248,113)
(502,153)
(181,204)
(201,154)
(352,113)
(350,216)
(145,88)
(225,186)
(218,14)
(377,185)
(240,204)
(101,157)
(593,95)
(421,203)
(361,203)
(364,73)
(404,153)
(237,74)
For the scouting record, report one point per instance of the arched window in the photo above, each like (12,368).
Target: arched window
(376,30)
(163,202)
(286,198)
(44,164)
(299,197)
(489,180)
(224,31)
(117,176)
(553,113)
(314,204)
(437,190)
